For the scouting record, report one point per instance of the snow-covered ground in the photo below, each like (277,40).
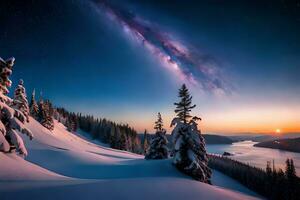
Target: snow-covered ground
(62,165)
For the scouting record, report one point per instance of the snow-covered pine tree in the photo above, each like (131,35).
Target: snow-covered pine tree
(115,137)
(71,122)
(158,147)
(189,150)
(145,142)
(20,101)
(11,119)
(33,106)
(48,119)
(45,114)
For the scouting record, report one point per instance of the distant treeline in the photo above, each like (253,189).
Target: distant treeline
(209,139)
(270,183)
(118,136)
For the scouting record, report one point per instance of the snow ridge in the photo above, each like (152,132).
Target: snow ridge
(60,165)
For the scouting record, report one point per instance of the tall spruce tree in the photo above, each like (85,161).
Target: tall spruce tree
(11,119)
(123,142)
(269,169)
(270,176)
(159,144)
(145,141)
(71,122)
(290,169)
(33,106)
(184,106)
(158,123)
(189,150)
(20,101)
(45,114)
(291,177)
(112,139)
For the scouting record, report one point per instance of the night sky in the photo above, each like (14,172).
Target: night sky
(125,59)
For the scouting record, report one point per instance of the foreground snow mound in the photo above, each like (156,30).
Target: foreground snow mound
(147,189)
(74,165)
(15,168)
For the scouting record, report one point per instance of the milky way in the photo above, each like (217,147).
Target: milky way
(182,60)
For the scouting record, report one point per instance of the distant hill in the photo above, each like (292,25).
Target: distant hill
(263,137)
(209,139)
(254,138)
(283,144)
(217,139)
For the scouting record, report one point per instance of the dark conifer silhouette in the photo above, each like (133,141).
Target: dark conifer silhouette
(118,136)
(145,142)
(271,183)
(33,106)
(184,106)
(158,123)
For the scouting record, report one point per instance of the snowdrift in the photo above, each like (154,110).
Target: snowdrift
(63,165)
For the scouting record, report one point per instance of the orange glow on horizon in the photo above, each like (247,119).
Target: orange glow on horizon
(232,121)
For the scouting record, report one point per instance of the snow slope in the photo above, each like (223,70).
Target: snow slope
(62,165)
(13,167)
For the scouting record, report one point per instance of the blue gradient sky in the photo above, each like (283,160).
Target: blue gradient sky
(82,60)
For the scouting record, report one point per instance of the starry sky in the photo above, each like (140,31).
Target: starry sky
(125,59)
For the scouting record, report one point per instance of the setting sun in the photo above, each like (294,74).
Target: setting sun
(278,130)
